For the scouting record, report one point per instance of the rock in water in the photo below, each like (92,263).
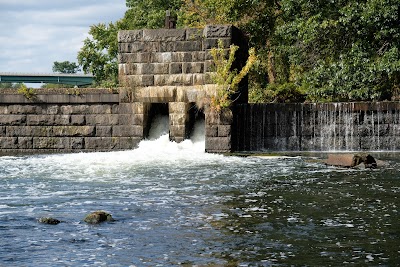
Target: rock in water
(351,160)
(98,217)
(49,220)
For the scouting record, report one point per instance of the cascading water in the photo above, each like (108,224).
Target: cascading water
(176,205)
(317,127)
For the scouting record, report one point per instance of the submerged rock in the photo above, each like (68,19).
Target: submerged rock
(351,160)
(98,217)
(49,220)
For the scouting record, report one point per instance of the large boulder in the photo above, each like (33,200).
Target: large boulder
(98,217)
(349,160)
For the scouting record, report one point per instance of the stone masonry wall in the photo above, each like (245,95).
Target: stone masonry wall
(65,123)
(173,66)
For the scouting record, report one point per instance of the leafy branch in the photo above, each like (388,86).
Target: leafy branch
(227,80)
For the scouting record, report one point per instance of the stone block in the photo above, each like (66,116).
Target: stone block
(178,118)
(129,142)
(23,109)
(137,131)
(51,143)
(126,108)
(218,31)
(198,79)
(124,130)
(181,46)
(181,57)
(139,47)
(74,109)
(100,109)
(138,119)
(196,67)
(139,80)
(210,43)
(138,57)
(52,109)
(225,117)
(175,68)
(156,94)
(218,144)
(224,130)
(99,119)
(164,35)
(178,107)
(165,57)
(65,131)
(4,110)
(13,119)
(25,143)
(126,119)
(78,120)
(8,142)
(40,120)
(198,56)
(103,131)
(77,143)
(173,80)
(128,36)
(177,131)
(38,131)
(143,68)
(62,119)
(3,131)
(211,131)
(101,143)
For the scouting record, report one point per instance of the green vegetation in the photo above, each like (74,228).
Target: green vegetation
(65,67)
(29,93)
(227,80)
(343,50)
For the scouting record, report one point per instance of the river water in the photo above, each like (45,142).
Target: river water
(175,205)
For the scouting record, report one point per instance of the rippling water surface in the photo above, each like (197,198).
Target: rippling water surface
(175,205)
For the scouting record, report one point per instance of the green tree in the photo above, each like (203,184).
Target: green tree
(65,67)
(342,50)
(99,52)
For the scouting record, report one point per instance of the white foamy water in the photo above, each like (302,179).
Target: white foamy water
(176,205)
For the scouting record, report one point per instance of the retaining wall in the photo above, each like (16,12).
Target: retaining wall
(65,123)
(317,127)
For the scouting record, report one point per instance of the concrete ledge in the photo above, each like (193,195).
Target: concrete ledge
(59,99)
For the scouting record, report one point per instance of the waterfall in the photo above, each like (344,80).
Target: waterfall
(358,126)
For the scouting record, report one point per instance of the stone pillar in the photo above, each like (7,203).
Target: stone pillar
(178,121)
(219,131)
(140,119)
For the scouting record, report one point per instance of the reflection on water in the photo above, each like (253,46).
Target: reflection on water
(176,205)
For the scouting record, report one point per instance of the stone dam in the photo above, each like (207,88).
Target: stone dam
(168,72)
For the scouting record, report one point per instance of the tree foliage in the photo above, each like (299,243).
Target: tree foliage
(325,50)
(99,52)
(65,67)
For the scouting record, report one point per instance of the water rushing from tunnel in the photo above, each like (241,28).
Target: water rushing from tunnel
(176,205)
